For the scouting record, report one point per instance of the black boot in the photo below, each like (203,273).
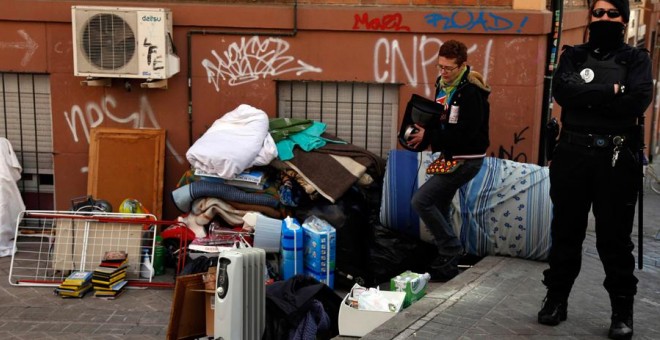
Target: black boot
(622,317)
(444,268)
(554,310)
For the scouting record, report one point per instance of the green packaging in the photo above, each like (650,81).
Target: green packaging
(413,284)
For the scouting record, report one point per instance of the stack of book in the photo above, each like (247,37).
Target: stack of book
(75,285)
(109,278)
(114,259)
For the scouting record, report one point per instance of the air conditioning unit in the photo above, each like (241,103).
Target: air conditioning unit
(123,42)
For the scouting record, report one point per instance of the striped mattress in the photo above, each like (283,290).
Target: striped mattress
(505,210)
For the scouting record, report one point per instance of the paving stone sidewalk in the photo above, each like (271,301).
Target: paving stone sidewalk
(35,313)
(499,298)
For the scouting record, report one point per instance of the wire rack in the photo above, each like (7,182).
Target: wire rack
(51,244)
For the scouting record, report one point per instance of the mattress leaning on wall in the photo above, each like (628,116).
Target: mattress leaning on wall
(505,210)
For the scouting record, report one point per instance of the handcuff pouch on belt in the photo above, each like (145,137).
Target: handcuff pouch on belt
(591,140)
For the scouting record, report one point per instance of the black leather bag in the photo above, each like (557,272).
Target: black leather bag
(421,111)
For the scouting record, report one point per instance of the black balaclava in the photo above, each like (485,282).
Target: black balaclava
(605,35)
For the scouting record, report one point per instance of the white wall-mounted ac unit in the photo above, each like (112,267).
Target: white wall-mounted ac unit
(123,42)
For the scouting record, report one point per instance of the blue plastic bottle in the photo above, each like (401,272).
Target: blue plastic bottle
(291,249)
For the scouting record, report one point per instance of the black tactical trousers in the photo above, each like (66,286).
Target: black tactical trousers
(582,178)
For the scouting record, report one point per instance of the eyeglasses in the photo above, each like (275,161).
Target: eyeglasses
(446,68)
(611,13)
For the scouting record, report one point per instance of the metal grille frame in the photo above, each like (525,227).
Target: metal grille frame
(49,245)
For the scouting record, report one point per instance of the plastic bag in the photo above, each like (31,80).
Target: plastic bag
(392,253)
(373,300)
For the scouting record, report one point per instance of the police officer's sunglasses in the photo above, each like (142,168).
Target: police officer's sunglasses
(611,13)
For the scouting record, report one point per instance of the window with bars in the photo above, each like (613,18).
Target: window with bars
(362,114)
(25,120)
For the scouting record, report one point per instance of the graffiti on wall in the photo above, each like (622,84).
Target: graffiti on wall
(94,114)
(463,20)
(248,60)
(153,59)
(511,153)
(27,44)
(388,22)
(388,55)
(61,47)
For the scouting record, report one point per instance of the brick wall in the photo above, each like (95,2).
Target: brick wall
(439,3)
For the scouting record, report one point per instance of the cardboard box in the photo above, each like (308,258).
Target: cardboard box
(319,245)
(209,290)
(355,322)
(209,279)
(210,313)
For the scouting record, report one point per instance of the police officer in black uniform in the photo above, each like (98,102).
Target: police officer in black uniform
(603,87)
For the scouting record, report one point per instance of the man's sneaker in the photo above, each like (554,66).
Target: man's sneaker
(452,251)
(553,312)
(443,261)
(443,274)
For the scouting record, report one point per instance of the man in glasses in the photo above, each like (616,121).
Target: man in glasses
(461,136)
(603,87)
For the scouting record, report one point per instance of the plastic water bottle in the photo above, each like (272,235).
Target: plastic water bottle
(146,269)
(413,284)
(159,257)
(291,248)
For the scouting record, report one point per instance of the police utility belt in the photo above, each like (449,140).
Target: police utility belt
(591,140)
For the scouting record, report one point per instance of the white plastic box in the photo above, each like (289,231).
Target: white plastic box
(355,322)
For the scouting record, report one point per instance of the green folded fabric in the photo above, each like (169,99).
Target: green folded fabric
(281,128)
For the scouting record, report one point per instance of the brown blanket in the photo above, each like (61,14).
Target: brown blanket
(373,162)
(332,178)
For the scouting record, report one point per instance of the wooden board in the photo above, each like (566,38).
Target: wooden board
(127,163)
(187,319)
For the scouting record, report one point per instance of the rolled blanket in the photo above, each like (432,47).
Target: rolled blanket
(185,195)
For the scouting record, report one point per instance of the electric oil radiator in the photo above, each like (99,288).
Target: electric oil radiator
(240,299)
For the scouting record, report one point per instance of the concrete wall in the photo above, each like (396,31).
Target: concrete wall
(391,42)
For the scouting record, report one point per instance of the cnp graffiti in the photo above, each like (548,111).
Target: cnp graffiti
(252,58)
(463,20)
(389,22)
(94,114)
(416,62)
(510,153)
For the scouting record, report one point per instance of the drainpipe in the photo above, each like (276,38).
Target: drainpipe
(553,50)
(285,33)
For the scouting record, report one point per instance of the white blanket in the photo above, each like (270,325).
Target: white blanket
(236,141)
(11,203)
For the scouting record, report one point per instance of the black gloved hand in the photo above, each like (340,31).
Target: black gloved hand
(572,78)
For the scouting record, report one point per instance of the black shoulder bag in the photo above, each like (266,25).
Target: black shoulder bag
(422,111)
